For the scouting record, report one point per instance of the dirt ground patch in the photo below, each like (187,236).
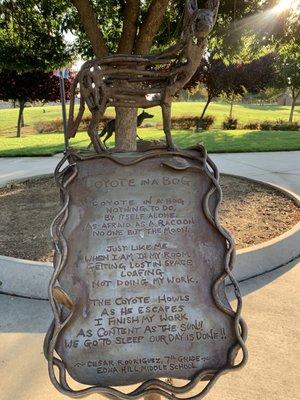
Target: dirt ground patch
(252,212)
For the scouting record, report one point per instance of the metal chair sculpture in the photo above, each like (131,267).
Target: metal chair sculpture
(143,81)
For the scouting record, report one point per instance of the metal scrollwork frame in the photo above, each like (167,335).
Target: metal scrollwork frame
(64,177)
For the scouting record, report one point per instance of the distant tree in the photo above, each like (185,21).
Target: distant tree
(266,96)
(32,35)
(258,74)
(232,80)
(252,77)
(29,87)
(217,77)
(288,72)
(235,84)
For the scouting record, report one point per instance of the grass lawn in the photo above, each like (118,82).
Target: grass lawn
(215,141)
(32,144)
(245,113)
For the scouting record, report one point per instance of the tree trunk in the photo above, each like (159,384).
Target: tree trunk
(295,95)
(205,107)
(93,31)
(22,120)
(126,129)
(20,117)
(292,110)
(231,108)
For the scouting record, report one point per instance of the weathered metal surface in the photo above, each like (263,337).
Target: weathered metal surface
(143,80)
(138,289)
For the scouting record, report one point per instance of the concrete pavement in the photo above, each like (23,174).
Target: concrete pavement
(272,314)
(281,168)
(12,168)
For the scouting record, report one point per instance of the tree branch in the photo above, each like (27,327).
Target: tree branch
(293,92)
(150,26)
(90,25)
(297,94)
(130,17)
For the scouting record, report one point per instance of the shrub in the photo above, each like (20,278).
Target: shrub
(56,125)
(230,123)
(279,125)
(86,119)
(266,125)
(289,126)
(205,123)
(252,125)
(148,125)
(49,126)
(185,122)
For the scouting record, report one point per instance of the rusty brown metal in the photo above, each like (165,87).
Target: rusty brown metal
(143,80)
(138,290)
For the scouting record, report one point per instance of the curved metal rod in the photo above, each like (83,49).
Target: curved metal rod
(64,178)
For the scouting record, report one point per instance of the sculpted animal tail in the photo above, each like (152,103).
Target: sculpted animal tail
(103,132)
(73,124)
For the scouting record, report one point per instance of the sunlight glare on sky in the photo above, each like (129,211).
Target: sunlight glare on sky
(284,5)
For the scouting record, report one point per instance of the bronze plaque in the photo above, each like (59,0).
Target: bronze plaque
(144,264)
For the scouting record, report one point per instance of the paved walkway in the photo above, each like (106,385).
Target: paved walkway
(281,168)
(272,373)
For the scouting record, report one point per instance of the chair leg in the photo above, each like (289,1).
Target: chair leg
(93,131)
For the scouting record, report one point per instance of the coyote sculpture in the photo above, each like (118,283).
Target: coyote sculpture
(110,127)
(143,81)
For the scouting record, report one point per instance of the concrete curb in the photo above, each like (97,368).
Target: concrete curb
(293,196)
(24,277)
(22,180)
(30,278)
